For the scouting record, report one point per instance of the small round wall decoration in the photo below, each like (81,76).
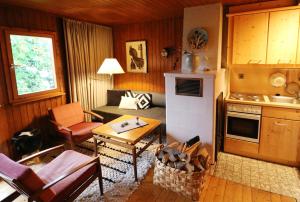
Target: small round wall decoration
(197,38)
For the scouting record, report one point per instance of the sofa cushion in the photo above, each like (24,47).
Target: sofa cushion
(158,113)
(158,99)
(144,99)
(114,97)
(128,103)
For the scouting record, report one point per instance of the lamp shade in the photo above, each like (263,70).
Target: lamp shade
(110,66)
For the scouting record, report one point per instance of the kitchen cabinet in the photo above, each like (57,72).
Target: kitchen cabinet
(280,139)
(265,37)
(283,37)
(280,135)
(250,38)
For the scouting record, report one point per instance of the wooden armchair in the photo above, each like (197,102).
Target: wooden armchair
(63,179)
(68,121)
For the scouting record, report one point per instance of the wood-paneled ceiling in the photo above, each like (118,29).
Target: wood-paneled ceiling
(117,11)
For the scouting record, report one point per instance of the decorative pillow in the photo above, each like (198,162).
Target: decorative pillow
(128,103)
(114,97)
(145,99)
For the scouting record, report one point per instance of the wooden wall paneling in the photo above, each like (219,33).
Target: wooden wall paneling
(131,11)
(32,114)
(158,35)
(4,131)
(256,80)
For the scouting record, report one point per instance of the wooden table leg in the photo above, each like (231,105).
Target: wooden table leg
(100,179)
(95,147)
(160,134)
(134,163)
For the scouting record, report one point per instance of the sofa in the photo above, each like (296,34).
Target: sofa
(112,111)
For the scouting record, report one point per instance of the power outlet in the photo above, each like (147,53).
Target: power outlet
(241,76)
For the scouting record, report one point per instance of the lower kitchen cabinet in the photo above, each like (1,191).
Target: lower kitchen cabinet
(280,140)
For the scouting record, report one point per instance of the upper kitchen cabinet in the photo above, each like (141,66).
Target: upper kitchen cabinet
(250,34)
(283,37)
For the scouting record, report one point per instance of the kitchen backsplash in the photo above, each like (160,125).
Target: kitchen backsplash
(256,80)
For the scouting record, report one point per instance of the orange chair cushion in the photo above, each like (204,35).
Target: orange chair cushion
(62,164)
(68,115)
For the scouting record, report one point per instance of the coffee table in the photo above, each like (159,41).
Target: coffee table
(128,139)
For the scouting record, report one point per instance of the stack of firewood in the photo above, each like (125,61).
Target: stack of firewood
(180,156)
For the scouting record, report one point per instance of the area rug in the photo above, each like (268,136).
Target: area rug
(262,175)
(117,170)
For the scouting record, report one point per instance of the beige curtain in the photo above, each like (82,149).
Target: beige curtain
(87,45)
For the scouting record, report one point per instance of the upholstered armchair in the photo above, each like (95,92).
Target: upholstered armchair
(63,179)
(68,121)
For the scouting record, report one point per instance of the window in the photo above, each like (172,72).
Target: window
(31,61)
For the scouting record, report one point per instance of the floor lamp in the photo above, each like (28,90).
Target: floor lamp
(110,66)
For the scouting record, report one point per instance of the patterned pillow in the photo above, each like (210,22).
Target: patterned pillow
(145,99)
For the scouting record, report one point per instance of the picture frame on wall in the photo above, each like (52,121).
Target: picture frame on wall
(136,56)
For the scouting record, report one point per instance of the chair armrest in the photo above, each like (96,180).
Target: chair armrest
(94,114)
(41,153)
(60,127)
(50,184)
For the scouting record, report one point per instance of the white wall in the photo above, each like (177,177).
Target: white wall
(188,116)
(209,17)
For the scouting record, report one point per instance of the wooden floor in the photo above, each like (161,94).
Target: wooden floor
(215,189)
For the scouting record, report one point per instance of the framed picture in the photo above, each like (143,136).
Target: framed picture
(136,56)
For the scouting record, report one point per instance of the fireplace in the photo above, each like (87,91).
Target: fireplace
(189,86)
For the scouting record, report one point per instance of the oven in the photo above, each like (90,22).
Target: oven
(243,122)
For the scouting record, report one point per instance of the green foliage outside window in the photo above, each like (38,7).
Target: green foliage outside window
(34,63)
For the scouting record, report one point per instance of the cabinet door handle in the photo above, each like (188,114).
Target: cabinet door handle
(280,124)
(254,61)
(284,61)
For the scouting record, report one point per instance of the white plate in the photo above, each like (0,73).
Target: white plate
(278,80)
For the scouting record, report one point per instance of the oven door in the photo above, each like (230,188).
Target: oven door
(243,126)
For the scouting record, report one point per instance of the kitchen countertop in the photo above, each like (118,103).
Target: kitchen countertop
(266,102)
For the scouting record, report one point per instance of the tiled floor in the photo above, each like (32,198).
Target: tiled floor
(259,174)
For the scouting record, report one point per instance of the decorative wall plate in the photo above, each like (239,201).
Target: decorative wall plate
(278,80)
(197,38)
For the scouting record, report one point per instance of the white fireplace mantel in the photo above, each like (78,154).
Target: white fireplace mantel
(188,116)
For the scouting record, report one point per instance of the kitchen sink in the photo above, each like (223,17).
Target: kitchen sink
(284,99)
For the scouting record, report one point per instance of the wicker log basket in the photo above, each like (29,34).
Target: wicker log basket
(181,180)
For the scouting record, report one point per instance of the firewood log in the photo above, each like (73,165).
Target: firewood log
(160,155)
(179,165)
(182,156)
(180,147)
(173,145)
(187,158)
(193,150)
(197,164)
(183,148)
(172,153)
(204,161)
(203,152)
(165,158)
(172,157)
